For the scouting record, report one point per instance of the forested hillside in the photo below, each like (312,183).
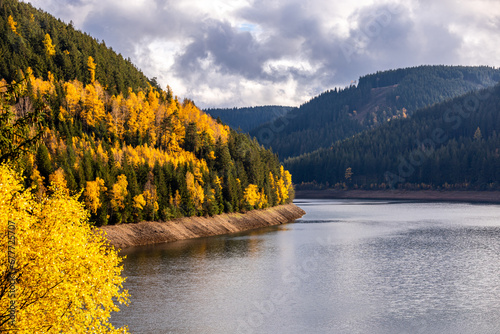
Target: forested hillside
(132,150)
(35,39)
(247,119)
(453,145)
(375,100)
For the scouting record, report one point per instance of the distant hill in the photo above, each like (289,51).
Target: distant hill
(377,98)
(130,149)
(452,145)
(247,119)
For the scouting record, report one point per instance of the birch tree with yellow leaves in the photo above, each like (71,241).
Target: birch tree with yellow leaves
(64,277)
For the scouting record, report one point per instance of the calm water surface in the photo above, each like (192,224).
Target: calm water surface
(346,267)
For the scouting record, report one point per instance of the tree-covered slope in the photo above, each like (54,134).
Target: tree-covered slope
(247,119)
(454,144)
(376,99)
(24,43)
(130,149)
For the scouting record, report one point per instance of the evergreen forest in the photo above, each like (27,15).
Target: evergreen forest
(247,119)
(373,101)
(451,145)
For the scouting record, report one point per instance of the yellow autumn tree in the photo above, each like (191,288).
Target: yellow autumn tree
(91,65)
(146,116)
(92,194)
(12,24)
(254,198)
(150,195)
(251,195)
(74,92)
(37,183)
(287,183)
(133,107)
(116,118)
(50,49)
(64,277)
(176,200)
(283,185)
(94,110)
(262,200)
(195,191)
(119,193)
(139,202)
(41,87)
(58,181)
(274,189)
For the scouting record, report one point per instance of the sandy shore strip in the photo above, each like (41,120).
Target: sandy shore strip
(146,233)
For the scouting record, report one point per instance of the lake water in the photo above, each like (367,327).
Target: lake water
(346,267)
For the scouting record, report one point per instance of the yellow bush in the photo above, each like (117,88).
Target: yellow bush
(67,277)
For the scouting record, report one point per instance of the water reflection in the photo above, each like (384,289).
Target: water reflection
(233,245)
(346,267)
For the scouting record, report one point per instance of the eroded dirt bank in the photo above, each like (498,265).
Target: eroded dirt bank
(145,233)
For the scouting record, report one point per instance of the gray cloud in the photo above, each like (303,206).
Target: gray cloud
(127,28)
(230,50)
(283,52)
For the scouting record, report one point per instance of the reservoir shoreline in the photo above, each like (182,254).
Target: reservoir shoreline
(147,232)
(419,195)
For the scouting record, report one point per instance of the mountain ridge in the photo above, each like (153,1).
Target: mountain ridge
(341,113)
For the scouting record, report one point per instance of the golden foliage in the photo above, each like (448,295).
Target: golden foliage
(139,202)
(74,94)
(91,66)
(195,191)
(119,193)
(92,194)
(251,195)
(12,24)
(58,181)
(41,88)
(50,49)
(254,198)
(67,279)
(94,110)
(281,185)
(163,121)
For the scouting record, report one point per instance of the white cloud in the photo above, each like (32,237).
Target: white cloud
(245,53)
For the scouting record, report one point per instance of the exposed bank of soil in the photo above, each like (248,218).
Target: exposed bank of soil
(145,233)
(423,195)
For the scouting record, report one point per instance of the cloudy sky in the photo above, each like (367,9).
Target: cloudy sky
(226,53)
